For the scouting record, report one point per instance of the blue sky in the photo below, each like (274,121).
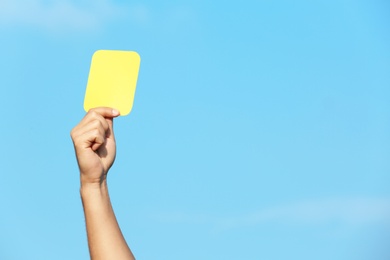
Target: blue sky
(260,129)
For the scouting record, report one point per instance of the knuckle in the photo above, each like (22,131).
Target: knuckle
(96,133)
(73,133)
(92,113)
(76,140)
(96,123)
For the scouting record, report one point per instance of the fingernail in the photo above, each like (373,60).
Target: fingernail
(115,112)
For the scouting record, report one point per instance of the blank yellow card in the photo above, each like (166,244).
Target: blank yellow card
(112,80)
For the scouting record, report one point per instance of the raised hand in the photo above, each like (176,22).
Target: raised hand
(94,144)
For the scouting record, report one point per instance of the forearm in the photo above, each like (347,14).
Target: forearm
(105,238)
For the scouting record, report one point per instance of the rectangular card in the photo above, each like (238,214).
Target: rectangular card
(112,80)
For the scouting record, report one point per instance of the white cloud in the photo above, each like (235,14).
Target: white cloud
(73,15)
(53,15)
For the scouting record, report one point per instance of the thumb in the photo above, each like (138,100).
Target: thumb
(105,112)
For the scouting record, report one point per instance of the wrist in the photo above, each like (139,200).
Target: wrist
(87,187)
(92,178)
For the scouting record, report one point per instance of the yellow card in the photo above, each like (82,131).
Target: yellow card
(112,80)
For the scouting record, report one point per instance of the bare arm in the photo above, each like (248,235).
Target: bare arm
(95,148)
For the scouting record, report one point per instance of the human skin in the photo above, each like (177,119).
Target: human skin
(95,149)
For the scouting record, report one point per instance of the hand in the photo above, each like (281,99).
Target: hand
(94,144)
